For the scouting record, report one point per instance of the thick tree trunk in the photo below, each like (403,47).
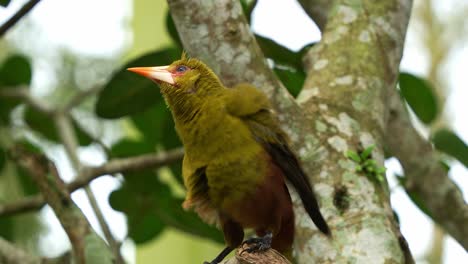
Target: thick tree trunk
(342,107)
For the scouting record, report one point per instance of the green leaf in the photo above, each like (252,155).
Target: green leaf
(145,228)
(353,156)
(381,170)
(4,3)
(292,79)
(172,30)
(16,70)
(129,147)
(446,141)
(46,127)
(6,227)
(143,224)
(151,123)
(128,93)
(366,153)
(6,106)
(158,129)
(2,158)
(278,53)
(152,200)
(248,7)
(420,97)
(171,211)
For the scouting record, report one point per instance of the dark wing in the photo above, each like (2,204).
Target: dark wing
(252,106)
(197,197)
(263,127)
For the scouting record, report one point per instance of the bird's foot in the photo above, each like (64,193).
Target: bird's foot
(256,244)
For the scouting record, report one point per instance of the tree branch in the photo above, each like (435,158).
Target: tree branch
(224,41)
(269,256)
(349,74)
(425,177)
(57,196)
(88,174)
(22,92)
(17,16)
(10,254)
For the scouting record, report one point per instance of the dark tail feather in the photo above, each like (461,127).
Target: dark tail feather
(312,208)
(290,166)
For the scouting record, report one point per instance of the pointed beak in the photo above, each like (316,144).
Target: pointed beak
(155,73)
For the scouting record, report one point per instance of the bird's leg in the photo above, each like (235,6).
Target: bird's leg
(259,243)
(220,256)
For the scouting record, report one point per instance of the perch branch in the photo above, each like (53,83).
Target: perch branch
(270,256)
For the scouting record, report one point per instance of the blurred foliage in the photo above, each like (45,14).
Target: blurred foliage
(171,29)
(127,93)
(419,96)
(2,158)
(44,125)
(247,7)
(415,198)
(446,141)
(4,3)
(15,71)
(287,64)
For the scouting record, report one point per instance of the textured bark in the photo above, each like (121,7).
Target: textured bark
(424,174)
(269,256)
(342,107)
(349,74)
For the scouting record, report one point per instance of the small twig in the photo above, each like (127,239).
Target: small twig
(154,160)
(69,140)
(10,254)
(17,16)
(23,93)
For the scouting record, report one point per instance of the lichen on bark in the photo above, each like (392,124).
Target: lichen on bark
(348,74)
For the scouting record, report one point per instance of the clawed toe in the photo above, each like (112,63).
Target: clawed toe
(257,244)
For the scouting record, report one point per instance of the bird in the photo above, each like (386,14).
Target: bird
(237,159)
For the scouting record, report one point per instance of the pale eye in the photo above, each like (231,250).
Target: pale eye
(181,68)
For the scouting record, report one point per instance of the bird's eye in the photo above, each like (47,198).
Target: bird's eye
(181,68)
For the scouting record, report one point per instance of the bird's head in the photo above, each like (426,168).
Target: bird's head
(184,76)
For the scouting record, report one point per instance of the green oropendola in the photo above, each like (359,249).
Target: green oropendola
(237,157)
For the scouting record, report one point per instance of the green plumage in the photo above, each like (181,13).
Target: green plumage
(237,157)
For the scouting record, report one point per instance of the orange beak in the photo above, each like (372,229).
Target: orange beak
(155,73)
